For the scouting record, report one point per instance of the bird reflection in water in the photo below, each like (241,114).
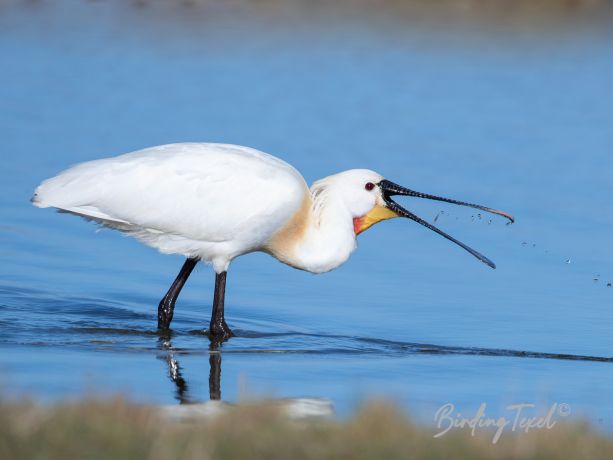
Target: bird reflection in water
(175,374)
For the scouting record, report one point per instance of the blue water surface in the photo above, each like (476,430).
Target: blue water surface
(521,123)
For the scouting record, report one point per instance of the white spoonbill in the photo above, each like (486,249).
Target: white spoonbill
(215,202)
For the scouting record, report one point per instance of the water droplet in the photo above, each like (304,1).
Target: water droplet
(568,261)
(595,280)
(524,243)
(608,284)
(479,216)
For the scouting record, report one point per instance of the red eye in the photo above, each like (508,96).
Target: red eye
(369,186)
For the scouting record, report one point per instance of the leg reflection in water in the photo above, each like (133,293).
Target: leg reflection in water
(182,393)
(293,407)
(174,369)
(214,373)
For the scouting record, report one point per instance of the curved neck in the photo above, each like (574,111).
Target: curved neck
(329,238)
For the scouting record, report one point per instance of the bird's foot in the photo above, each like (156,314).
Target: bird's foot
(219,331)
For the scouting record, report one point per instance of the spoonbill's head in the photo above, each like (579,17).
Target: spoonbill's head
(368,197)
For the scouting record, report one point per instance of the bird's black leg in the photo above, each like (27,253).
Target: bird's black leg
(167,304)
(218,328)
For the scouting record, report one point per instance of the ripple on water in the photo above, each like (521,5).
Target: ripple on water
(103,325)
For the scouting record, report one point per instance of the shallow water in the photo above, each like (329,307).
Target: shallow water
(519,124)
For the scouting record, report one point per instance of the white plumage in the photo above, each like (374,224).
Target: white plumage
(209,201)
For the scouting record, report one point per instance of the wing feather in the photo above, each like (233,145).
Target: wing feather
(204,192)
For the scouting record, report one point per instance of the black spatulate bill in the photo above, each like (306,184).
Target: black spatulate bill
(389,189)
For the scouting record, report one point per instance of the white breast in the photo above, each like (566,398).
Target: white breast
(213,201)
